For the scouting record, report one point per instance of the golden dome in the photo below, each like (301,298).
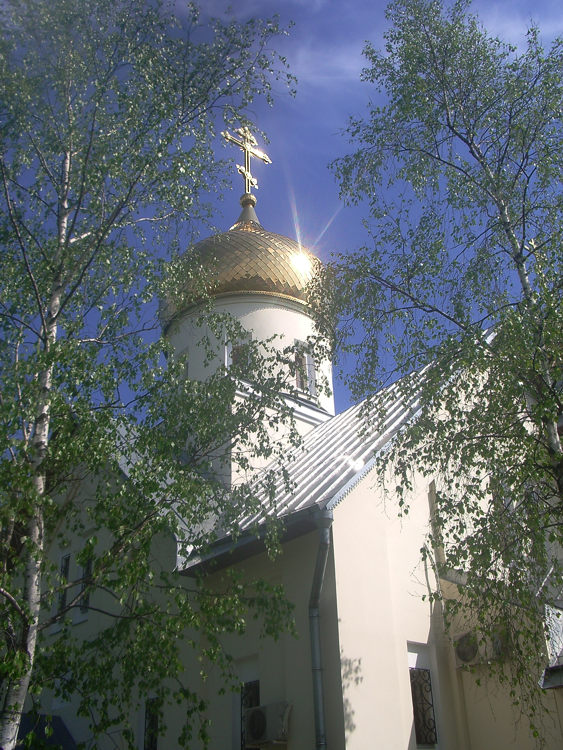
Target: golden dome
(249,260)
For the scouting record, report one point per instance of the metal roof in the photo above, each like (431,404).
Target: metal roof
(332,458)
(319,473)
(248,258)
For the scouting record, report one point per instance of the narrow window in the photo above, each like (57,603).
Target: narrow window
(151,725)
(305,380)
(85,586)
(423,707)
(301,371)
(237,355)
(311,375)
(237,351)
(249,698)
(64,571)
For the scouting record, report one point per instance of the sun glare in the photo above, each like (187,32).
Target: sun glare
(302,264)
(295,215)
(356,464)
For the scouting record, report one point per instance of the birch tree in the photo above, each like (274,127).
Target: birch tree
(108,116)
(459,160)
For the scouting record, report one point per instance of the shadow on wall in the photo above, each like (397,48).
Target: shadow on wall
(351,675)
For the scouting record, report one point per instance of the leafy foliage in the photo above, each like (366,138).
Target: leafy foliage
(108,113)
(461,169)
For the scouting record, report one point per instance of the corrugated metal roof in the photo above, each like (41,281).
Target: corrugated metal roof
(332,458)
(318,474)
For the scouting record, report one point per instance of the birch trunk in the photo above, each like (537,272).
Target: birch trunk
(16,692)
(17,689)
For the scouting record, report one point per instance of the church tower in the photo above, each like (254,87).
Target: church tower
(260,279)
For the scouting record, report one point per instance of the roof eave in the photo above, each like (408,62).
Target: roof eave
(228,551)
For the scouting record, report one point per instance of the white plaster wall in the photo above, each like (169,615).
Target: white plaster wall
(283,666)
(493,722)
(380,581)
(86,625)
(265,317)
(372,614)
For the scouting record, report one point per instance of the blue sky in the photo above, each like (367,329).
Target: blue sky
(297,194)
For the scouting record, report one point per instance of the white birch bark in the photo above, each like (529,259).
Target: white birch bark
(17,689)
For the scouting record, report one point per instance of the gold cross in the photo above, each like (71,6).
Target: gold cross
(247,143)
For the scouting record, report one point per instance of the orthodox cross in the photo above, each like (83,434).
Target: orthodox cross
(247,143)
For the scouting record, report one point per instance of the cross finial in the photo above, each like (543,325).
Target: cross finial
(247,143)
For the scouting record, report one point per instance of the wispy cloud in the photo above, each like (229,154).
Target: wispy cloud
(323,47)
(511,22)
(327,64)
(262,8)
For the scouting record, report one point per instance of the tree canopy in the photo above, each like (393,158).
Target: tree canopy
(108,114)
(459,159)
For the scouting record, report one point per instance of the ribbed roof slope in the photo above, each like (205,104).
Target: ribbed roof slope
(331,460)
(335,455)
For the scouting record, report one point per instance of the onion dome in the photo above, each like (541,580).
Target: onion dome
(247,259)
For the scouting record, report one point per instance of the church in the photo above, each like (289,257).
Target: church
(370,664)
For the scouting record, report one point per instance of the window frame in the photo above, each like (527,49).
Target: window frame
(424,716)
(84,602)
(64,574)
(151,724)
(249,698)
(305,371)
(232,349)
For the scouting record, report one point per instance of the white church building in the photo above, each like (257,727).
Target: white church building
(371,666)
